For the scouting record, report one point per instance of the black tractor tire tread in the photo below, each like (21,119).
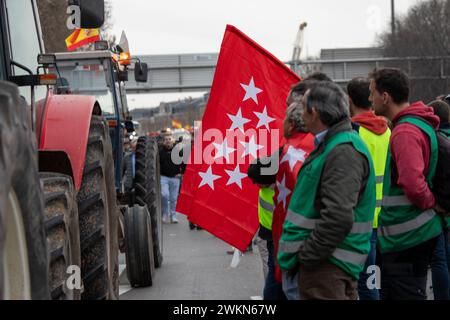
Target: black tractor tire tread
(96,211)
(139,247)
(19,173)
(148,189)
(61,224)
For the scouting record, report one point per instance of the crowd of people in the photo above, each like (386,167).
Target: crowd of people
(363,212)
(359,205)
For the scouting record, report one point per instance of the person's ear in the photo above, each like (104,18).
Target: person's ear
(386,98)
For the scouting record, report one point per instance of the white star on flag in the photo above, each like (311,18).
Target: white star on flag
(264,119)
(238,121)
(283,192)
(223,150)
(208,178)
(293,156)
(251,147)
(235,176)
(251,91)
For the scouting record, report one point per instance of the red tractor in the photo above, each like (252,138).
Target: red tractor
(59,214)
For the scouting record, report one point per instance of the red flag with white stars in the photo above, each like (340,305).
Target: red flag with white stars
(294,152)
(243,120)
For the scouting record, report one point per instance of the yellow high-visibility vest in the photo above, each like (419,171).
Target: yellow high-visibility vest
(378,147)
(265,207)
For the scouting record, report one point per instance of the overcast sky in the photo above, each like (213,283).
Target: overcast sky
(197,26)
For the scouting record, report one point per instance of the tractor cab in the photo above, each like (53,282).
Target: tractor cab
(101,73)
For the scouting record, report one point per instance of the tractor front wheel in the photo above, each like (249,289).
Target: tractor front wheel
(139,246)
(63,235)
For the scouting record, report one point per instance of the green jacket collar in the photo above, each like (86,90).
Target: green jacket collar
(342,126)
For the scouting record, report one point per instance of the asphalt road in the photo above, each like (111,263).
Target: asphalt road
(196,266)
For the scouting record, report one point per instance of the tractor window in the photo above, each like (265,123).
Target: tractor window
(24,41)
(86,77)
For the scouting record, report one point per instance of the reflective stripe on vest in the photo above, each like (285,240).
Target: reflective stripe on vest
(289,246)
(265,207)
(340,254)
(407,226)
(393,201)
(378,146)
(349,256)
(306,223)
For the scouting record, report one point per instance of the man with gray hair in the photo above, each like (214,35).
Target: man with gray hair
(326,235)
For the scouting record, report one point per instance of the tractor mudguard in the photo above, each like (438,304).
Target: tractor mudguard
(63,129)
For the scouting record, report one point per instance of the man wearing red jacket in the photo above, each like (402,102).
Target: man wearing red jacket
(408,222)
(299,145)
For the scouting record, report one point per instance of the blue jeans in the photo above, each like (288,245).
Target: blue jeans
(272,289)
(440,268)
(363,291)
(169,195)
(290,286)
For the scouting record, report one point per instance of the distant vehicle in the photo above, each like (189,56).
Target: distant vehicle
(102,73)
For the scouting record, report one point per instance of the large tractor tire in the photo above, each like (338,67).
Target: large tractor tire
(147,184)
(98,217)
(63,235)
(23,249)
(139,246)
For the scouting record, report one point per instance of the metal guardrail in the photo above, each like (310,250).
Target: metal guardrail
(179,75)
(368,64)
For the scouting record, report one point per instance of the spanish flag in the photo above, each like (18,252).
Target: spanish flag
(81,37)
(176,124)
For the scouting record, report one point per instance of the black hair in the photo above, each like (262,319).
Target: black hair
(358,91)
(303,86)
(441,109)
(254,172)
(319,76)
(393,81)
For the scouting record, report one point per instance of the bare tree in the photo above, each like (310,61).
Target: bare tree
(53,16)
(423,32)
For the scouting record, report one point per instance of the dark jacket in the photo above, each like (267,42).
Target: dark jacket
(410,149)
(344,177)
(168,167)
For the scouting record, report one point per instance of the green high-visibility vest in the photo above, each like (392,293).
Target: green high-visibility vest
(401,224)
(265,207)
(351,254)
(378,146)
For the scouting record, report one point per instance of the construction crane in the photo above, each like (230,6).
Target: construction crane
(298,44)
